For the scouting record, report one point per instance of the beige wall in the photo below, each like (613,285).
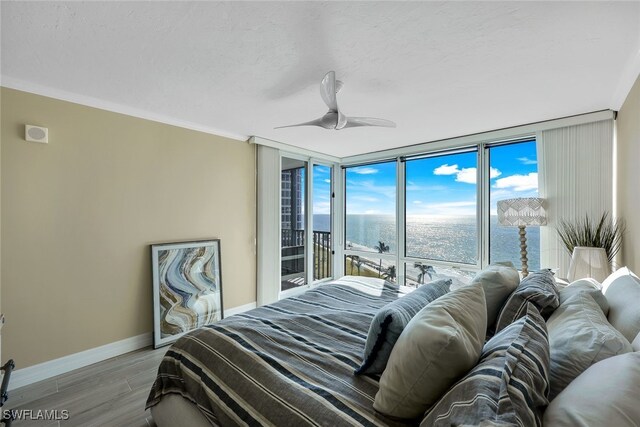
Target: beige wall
(79,214)
(628,125)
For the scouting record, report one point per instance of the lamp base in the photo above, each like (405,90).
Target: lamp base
(523,251)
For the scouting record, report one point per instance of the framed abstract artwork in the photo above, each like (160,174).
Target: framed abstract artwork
(187,288)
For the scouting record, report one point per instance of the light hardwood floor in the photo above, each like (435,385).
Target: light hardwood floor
(109,393)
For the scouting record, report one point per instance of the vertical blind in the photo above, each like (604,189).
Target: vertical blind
(575,166)
(268,225)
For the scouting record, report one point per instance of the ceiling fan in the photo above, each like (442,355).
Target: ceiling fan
(334,119)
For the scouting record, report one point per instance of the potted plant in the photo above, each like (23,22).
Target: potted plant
(592,245)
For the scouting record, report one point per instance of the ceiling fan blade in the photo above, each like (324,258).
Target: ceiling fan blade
(317,122)
(342,121)
(368,121)
(328,91)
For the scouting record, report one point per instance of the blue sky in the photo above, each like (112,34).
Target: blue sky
(321,189)
(444,185)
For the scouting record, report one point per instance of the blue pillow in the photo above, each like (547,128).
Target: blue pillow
(390,321)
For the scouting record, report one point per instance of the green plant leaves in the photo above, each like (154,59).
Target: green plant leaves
(606,233)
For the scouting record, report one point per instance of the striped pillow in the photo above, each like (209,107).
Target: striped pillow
(509,385)
(390,321)
(538,288)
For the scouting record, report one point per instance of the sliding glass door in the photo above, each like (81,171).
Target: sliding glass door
(293,223)
(322,221)
(306,223)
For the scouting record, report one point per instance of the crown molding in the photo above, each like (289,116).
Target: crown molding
(89,101)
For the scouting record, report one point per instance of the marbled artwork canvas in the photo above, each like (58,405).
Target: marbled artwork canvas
(187,288)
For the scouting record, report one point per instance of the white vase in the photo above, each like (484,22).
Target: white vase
(588,262)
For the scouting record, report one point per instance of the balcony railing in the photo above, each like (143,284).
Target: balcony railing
(293,254)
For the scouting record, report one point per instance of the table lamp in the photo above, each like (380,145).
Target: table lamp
(521,212)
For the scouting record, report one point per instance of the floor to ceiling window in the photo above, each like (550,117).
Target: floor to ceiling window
(446,223)
(516,175)
(370,220)
(441,208)
(441,221)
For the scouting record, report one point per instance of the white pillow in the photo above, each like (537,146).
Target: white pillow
(623,295)
(590,286)
(437,347)
(623,271)
(606,394)
(579,336)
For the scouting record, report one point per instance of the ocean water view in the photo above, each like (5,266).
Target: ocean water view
(441,238)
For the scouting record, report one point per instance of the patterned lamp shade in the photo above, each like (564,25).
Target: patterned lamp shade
(522,211)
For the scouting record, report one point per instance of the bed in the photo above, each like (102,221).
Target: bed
(287,363)
(292,362)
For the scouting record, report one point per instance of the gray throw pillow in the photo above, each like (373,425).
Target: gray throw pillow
(438,346)
(589,286)
(606,394)
(498,280)
(579,336)
(538,288)
(390,321)
(508,386)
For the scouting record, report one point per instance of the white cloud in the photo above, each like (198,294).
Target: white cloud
(527,161)
(519,182)
(446,169)
(328,181)
(466,175)
(364,170)
(417,202)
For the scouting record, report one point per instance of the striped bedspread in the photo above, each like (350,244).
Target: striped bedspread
(289,363)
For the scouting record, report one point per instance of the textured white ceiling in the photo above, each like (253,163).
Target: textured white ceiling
(438,69)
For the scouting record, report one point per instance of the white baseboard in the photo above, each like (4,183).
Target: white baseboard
(42,371)
(240,309)
(45,370)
